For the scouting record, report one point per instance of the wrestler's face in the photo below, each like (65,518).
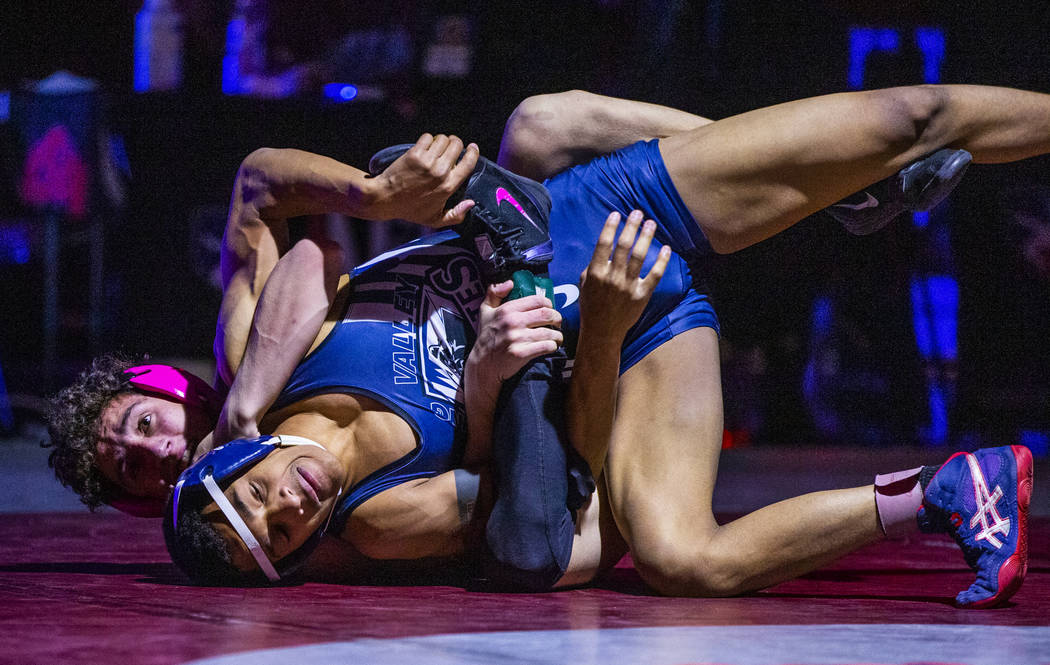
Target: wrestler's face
(283,499)
(145,442)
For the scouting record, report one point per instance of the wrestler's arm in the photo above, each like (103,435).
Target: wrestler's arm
(291,310)
(549,133)
(613,294)
(263,347)
(273,185)
(431,517)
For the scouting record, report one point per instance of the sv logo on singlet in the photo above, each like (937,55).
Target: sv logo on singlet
(446,342)
(438,296)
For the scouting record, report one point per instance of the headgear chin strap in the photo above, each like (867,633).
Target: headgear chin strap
(171,383)
(241,528)
(224,463)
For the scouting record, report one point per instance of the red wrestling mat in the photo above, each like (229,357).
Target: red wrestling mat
(99,588)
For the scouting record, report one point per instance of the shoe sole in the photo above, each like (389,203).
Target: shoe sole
(1014,569)
(945,181)
(382,159)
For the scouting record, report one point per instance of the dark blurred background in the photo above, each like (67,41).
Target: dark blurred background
(931,331)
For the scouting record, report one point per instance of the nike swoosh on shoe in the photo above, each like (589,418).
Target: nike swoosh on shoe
(503,195)
(870,202)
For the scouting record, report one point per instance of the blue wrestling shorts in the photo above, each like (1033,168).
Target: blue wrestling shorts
(633,178)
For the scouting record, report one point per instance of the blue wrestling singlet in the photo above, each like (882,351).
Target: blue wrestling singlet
(629,179)
(540,480)
(412,314)
(403,339)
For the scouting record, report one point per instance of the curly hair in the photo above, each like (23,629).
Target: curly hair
(201,553)
(73,424)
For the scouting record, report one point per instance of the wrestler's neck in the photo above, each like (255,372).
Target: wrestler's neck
(362,434)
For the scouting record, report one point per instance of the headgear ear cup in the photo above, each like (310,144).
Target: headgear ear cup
(177,384)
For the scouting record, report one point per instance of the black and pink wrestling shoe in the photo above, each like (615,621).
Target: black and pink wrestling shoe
(917,187)
(981,499)
(509,221)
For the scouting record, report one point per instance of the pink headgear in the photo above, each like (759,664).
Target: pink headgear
(177,384)
(171,383)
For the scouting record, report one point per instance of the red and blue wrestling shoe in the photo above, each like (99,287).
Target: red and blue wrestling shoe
(918,187)
(509,223)
(981,499)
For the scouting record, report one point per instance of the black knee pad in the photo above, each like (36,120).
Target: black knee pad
(540,481)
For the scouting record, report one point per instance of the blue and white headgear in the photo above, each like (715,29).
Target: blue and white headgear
(201,483)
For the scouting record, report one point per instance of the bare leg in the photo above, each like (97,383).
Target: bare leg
(549,133)
(661,471)
(750,176)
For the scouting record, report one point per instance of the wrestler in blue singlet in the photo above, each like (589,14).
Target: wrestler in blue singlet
(633,178)
(409,322)
(412,315)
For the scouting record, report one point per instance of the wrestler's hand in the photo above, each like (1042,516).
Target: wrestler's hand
(509,336)
(417,185)
(613,293)
(226,429)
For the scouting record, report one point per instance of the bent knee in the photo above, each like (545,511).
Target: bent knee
(679,570)
(539,114)
(535,129)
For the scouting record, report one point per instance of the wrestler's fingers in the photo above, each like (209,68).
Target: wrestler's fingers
(448,156)
(541,316)
(626,239)
(464,167)
(457,213)
(530,350)
(423,143)
(537,335)
(603,250)
(527,303)
(640,249)
(657,271)
(495,294)
(437,147)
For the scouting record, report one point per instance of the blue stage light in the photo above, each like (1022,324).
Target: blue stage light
(14,245)
(1037,441)
(931,43)
(863,42)
(340,92)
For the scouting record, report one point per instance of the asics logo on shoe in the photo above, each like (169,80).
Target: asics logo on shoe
(870,202)
(503,195)
(987,515)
